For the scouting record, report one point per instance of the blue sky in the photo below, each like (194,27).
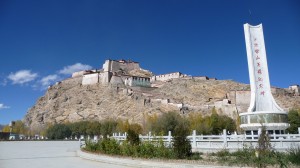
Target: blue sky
(43,41)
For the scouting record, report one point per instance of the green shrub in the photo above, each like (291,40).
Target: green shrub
(147,150)
(127,149)
(244,157)
(110,146)
(195,156)
(293,155)
(223,156)
(91,146)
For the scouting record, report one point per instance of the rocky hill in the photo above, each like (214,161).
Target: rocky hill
(70,101)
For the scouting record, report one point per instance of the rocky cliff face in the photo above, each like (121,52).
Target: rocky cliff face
(69,101)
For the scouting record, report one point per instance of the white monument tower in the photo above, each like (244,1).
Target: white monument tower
(263,110)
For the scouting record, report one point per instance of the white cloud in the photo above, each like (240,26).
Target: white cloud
(47,80)
(68,70)
(22,76)
(2,106)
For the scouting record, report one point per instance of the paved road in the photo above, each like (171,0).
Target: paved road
(45,154)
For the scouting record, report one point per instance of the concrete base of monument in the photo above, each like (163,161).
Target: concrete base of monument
(274,122)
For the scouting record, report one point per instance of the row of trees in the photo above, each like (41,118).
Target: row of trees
(213,124)
(18,128)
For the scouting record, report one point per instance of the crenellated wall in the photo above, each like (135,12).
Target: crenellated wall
(166,77)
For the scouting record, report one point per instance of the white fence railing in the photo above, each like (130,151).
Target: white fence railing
(212,143)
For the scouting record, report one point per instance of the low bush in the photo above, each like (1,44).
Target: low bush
(293,155)
(143,150)
(109,146)
(91,146)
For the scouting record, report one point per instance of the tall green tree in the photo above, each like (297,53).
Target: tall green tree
(166,122)
(181,145)
(294,121)
(58,131)
(108,127)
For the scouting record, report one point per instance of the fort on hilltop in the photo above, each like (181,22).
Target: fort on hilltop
(123,90)
(127,73)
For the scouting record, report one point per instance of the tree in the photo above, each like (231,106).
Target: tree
(6,128)
(195,119)
(108,127)
(20,128)
(58,131)
(181,145)
(74,127)
(294,121)
(151,120)
(215,123)
(93,128)
(166,122)
(227,123)
(264,148)
(133,137)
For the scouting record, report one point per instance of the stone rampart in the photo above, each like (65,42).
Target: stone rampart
(116,80)
(117,65)
(166,77)
(200,77)
(90,79)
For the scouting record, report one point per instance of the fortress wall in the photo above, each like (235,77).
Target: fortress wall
(106,65)
(114,66)
(231,96)
(128,81)
(243,98)
(166,77)
(116,80)
(201,77)
(152,78)
(143,89)
(105,77)
(130,66)
(279,91)
(90,79)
